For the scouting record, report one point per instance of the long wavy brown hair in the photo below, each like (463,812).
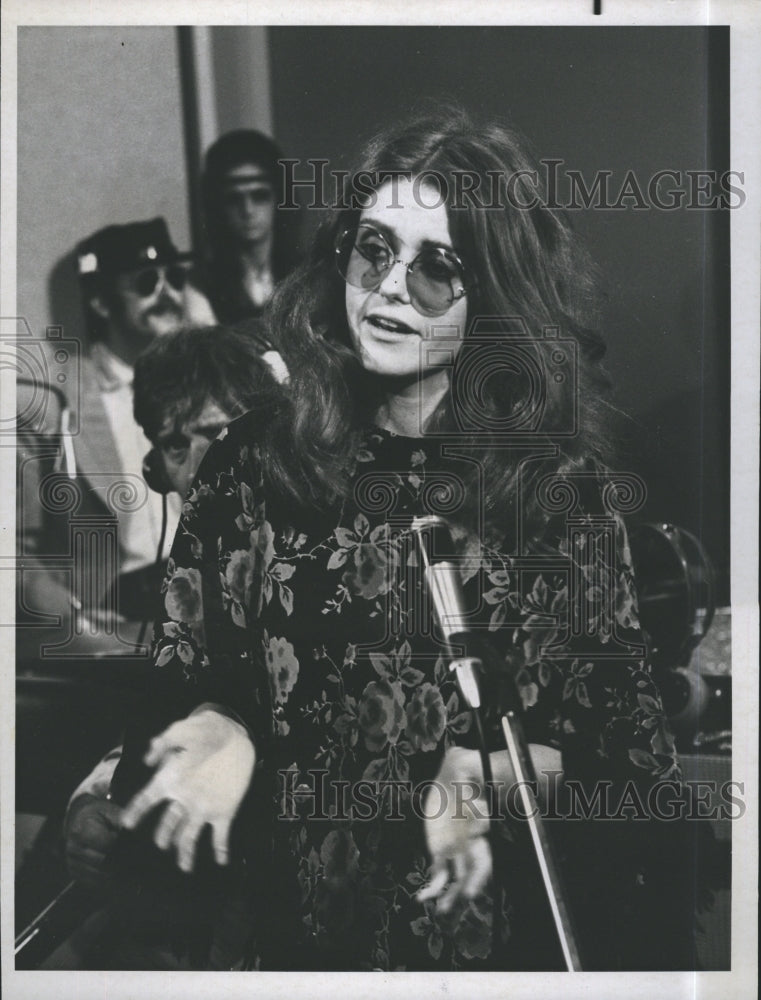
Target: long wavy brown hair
(532,277)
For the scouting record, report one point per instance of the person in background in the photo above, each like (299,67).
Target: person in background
(248,246)
(134,285)
(187,387)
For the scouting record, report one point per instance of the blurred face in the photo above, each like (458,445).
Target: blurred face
(387,331)
(182,447)
(148,303)
(248,204)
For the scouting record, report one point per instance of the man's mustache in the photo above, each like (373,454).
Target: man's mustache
(165,306)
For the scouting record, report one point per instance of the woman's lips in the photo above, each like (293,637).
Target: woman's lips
(389,325)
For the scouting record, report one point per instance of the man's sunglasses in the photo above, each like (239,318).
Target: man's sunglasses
(145,282)
(240,197)
(436,277)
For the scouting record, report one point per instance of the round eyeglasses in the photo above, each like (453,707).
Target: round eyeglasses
(436,277)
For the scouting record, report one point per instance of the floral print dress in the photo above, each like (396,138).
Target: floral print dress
(311,628)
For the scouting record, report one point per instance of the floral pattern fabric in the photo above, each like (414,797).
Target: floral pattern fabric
(313,629)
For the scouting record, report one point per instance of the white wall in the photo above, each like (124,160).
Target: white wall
(100,140)
(241,82)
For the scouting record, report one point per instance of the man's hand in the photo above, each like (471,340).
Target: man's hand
(92,825)
(205,764)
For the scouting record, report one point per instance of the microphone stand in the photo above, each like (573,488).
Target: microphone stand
(525,778)
(443,583)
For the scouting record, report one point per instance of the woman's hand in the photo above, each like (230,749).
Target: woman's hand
(456,813)
(456,829)
(205,763)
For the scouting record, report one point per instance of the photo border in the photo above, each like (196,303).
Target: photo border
(744,19)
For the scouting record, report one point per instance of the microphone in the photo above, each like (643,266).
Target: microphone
(435,547)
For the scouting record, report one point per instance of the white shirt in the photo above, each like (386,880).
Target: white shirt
(139,530)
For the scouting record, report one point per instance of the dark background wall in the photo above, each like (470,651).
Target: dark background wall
(618,99)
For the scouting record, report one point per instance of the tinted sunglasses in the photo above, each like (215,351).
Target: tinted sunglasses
(145,282)
(436,277)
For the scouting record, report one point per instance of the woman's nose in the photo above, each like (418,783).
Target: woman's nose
(394,284)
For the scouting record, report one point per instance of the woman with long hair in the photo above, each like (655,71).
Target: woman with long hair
(444,360)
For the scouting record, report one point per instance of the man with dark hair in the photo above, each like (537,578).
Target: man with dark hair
(249,240)
(188,386)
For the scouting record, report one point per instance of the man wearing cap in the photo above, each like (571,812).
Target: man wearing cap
(134,288)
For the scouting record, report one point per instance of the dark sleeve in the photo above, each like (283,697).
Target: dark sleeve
(201,654)
(202,649)
(580,662)
(586,687)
